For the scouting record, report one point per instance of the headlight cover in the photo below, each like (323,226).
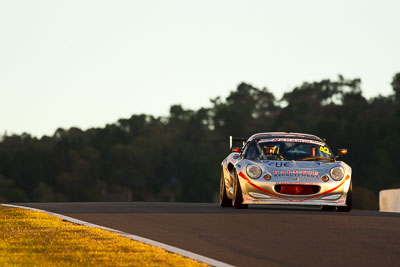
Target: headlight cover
(253,171)
(337,173)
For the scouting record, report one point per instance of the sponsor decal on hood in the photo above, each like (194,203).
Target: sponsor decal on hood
(281,173)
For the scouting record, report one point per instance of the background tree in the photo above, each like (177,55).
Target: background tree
(177,157)
(396,87)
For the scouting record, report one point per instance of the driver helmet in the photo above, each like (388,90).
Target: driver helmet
(271,150)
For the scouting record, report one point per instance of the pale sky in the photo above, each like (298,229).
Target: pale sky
(89,63)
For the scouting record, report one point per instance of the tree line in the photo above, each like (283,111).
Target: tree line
(177,157)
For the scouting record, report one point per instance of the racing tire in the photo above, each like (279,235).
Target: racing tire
(349,200)
(237,199)
(224,201)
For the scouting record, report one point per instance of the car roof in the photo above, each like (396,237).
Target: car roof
(285,135)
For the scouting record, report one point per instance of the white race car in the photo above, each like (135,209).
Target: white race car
(285,168)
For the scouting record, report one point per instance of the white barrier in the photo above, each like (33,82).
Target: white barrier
(389,200)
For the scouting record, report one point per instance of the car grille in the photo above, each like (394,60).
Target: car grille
(297,189)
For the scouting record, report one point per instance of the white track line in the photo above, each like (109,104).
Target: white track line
(169,248)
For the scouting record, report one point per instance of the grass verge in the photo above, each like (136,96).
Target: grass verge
(33,238)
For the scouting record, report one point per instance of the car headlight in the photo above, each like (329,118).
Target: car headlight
(337,173)
(253,171)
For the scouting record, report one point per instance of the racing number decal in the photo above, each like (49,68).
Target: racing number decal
(325,150)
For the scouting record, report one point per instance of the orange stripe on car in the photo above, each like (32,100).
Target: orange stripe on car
(259,188)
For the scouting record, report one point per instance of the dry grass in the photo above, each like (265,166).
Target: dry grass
(32,238)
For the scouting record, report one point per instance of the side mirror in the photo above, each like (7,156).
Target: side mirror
(236,149)
(341,152)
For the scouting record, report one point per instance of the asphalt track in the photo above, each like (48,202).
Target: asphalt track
(258,236)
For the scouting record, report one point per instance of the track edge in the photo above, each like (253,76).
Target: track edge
(169,248)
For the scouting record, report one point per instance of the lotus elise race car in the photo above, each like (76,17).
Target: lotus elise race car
(285,168)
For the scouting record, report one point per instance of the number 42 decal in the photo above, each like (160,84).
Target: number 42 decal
(325,150)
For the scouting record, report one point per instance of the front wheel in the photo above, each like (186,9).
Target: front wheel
(349,200)
(237,199)
(224,201)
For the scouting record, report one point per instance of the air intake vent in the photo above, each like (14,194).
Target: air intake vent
(297,189)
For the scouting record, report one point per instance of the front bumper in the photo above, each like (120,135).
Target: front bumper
(260,191)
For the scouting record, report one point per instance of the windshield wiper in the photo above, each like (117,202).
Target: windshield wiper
(316,158)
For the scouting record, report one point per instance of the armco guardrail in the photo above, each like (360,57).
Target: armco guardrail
(389,200)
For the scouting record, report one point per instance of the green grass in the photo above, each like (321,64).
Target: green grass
(32,238)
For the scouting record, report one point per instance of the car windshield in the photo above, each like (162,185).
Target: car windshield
(289,149)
